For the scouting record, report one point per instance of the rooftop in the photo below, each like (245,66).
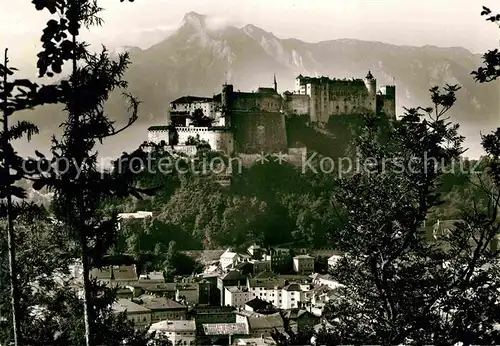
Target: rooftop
(243,265)
(334,257)
(266,322)
(175,326)
(321,289)
(224,329)
(122,305)
(267,282)
(168,286)
(258,304)
(266,274)
(159,303)
(292,288)
(255,342)
(303,257)
(190,99)
(136,215)
(266,90)
(161,128)
(229,255)
(295,313)
(233,275)
(247,313)
(126,273)
(324,79)
(236,289)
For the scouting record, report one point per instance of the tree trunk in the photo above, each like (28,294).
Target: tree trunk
(87,309)
(10,231)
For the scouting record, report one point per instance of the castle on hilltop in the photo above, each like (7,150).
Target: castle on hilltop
(238,122)
(322,97)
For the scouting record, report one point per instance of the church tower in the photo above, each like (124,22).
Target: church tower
(275,83)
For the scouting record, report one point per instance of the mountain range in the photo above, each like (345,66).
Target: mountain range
(196,59)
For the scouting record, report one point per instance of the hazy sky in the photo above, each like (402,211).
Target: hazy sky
(435,22)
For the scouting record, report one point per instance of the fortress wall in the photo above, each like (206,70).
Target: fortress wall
(256,101)
(340,97)
(256,132)
(219,140)
(208,107)
(386,105)
(387,101)
(296,104)
(156,136)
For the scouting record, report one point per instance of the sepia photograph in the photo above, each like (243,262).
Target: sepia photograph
(249,173)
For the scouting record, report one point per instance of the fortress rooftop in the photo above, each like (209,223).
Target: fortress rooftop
(190,99)
(324,80)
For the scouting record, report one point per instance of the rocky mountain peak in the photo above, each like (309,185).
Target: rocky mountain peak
(194,20)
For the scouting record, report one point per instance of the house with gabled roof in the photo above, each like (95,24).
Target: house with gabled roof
(140,315)
(163,308)
(232,278)
(229,259)
(264,326)
(300,319)
(116,276)
(222,333)
(179,332)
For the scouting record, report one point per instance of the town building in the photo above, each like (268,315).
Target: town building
(258,305)
(264,326)
(163,308)
(246,267)
(303,264)
(300,319)
(133,216)
(183,108)
(222,333)
(294,295)
(281,259)
(236,296)
(229,259)
(279,290)
(178,332)
(254,341)
(189,293)
(167,289)
(260,266)
(116,275)
(212,314)
(256,251)
(326,280)
(232,278)
(138,314)
(332,261)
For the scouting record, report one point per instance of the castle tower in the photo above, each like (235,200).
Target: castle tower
(226,97)
(275,83)
(371,83)
(371,86)
(298,81)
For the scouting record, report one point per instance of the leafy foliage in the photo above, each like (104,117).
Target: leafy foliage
(19,94)
(399,288)
(73,173)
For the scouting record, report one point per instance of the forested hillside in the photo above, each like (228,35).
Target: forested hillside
(270,203)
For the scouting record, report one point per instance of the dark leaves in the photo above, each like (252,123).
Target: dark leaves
(23,128)
(486,11)
(491,60)
(51,5)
